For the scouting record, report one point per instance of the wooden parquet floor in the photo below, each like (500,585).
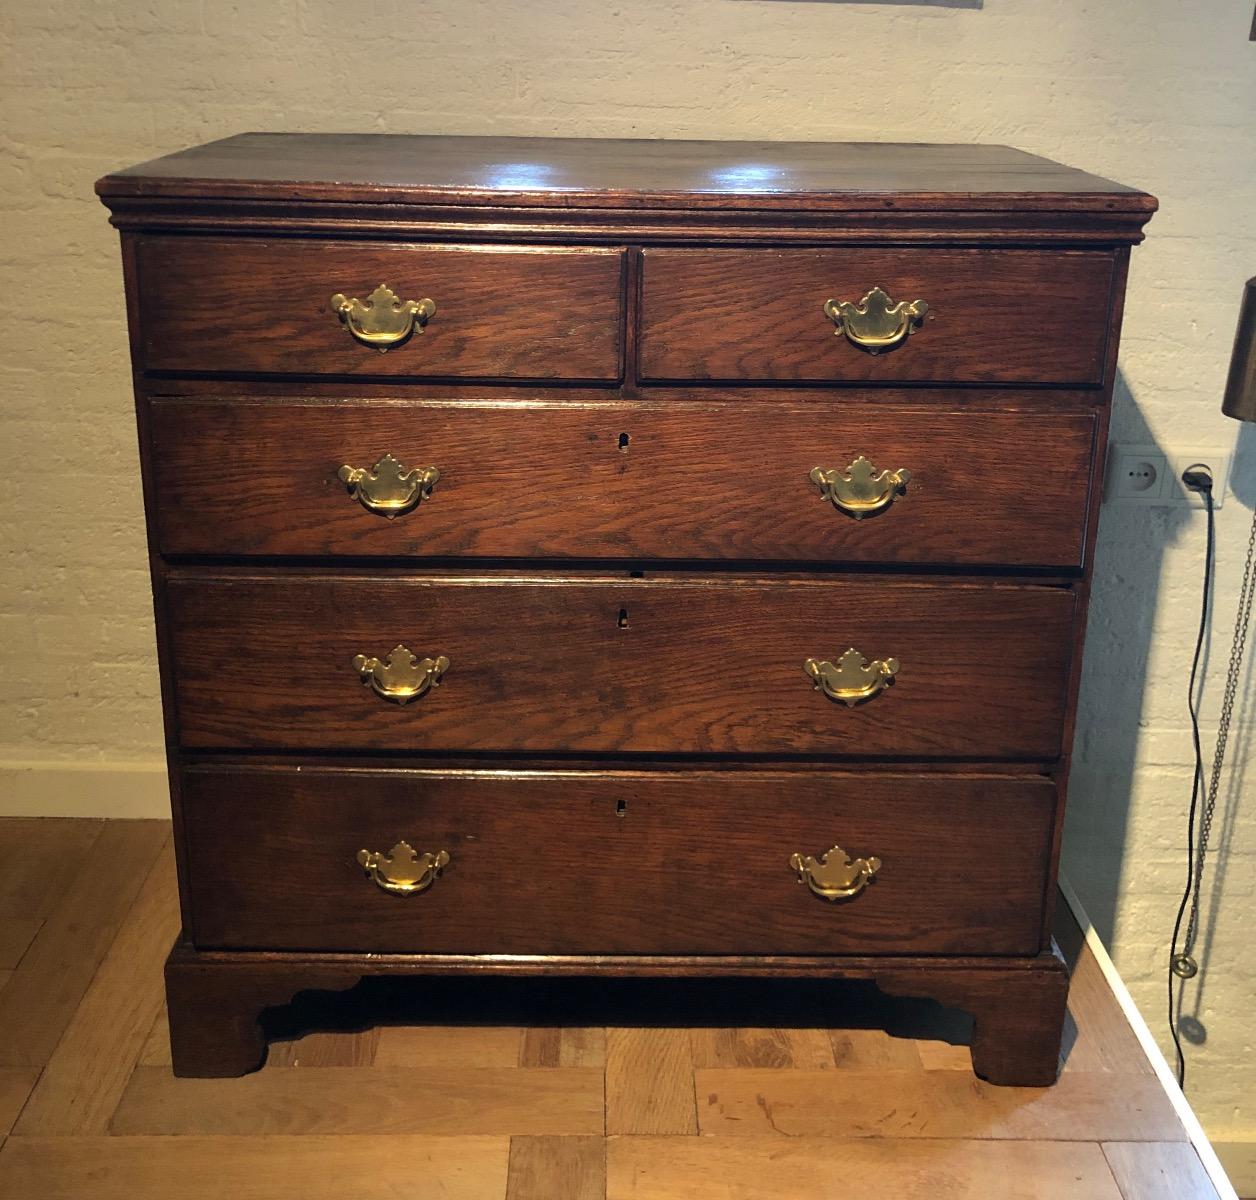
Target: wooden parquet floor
(523,1090)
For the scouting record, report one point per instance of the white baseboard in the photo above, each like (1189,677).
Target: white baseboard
(47,788)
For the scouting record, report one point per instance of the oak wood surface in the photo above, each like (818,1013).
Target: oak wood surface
(274,1160)
(619,664)
(695,863)
(1005,316)
(264,306)
(619,171)
(597,479)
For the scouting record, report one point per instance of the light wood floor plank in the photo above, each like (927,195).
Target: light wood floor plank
(39,856)
(1103,1039)
(802,1049)
(156,1050)
(16,1084)
(874,1050)
(1159,1171)
(89,1069)
(818,1169)
(557,1168)
(649,1082)
(326,1050)
(254,1168)
(947,1104)
(16,935)
(563,1046)
(364,1100)
(39,1001)
(452,1046)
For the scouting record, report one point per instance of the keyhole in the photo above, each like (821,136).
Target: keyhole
(621,807)
(624,439)
(622,621)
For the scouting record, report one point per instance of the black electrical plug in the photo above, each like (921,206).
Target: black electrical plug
(1198,478)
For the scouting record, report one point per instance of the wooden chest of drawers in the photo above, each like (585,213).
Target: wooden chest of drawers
(626,558)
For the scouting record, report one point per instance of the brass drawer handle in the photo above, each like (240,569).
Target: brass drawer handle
(388,488)
(876,323)
(401,677)
(860,490)
(835,875)
(403,871)
(383,319)
(853,679)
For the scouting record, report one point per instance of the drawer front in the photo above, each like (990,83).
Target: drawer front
(698,666)
(993,316)
(266,306)
(615,863)
(662,481)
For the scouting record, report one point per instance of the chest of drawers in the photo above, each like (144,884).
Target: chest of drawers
(619,558)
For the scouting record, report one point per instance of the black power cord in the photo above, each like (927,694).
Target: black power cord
(1181,965)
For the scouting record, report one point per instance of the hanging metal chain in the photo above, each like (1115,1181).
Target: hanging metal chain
(1184,963)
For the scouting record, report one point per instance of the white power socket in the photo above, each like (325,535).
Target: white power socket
(1144,474)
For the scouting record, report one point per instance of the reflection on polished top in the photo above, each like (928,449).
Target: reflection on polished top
(619,173)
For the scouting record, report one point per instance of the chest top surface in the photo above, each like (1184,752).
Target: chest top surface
(609,173)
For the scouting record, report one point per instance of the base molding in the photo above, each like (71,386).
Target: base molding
(49,788)
(216,998)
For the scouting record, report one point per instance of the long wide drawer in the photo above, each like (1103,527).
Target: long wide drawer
(858,482)
(309,307)
(995,316)
(686,665)
(615,863)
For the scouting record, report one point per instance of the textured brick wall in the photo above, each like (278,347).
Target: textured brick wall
(1154,92)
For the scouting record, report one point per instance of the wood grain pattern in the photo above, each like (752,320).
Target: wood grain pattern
(88,1071)
(1006,316)
(619,664)
(557,1168)
(649,1082)
(271,1162)
(1158,1171)
(606,479)
(804,1168)
(40,1000)
(263,306)
(933,1104)
(614,172)
(367,1167)
(372,1100)
(657,879)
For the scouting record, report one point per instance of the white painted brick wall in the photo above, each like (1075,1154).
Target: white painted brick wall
(1158,93)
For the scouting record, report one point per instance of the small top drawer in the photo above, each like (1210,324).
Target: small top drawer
(316,308)
(967,316)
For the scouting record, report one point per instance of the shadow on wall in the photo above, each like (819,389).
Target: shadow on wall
(1119,643)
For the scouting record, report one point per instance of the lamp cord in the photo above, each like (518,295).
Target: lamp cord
(1182,962)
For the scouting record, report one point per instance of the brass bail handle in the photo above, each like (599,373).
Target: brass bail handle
(403,871)
(835,875)
(402,676)
(860,490)
(383,319)
(852,679)
(389,488)
(876,323)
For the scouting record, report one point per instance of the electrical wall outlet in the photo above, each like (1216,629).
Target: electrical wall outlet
(1145,474)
